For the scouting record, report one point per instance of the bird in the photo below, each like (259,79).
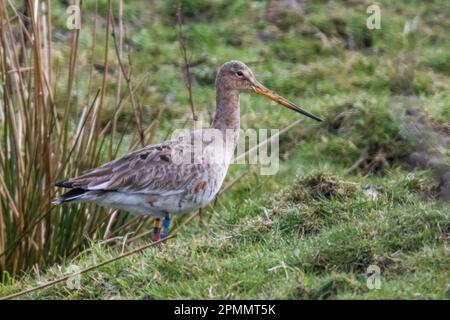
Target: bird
(179,175)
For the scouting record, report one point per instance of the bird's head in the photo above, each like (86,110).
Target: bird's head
(235,75)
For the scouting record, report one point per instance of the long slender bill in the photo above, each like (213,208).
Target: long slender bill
(260,89)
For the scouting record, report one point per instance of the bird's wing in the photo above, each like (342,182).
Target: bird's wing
(150,170)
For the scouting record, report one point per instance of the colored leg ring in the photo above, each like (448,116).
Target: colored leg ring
(156,234)
(165,227)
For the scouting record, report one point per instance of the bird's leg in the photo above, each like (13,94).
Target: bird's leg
(156,234)
(165,226)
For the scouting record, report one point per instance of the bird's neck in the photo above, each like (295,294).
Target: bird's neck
(227,119)
(227,110)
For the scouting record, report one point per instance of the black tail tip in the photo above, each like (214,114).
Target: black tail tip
(64,184)
(72,195)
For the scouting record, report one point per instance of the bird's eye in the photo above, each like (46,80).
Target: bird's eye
(239,73)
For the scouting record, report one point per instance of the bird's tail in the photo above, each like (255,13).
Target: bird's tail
(73,195)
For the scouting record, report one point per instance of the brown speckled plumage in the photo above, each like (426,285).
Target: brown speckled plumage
(152,180)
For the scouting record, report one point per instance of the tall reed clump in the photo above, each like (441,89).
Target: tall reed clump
(42,141)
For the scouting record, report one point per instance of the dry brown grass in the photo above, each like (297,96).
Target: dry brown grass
(42,141)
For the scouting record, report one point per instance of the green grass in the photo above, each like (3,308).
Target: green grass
(313,240)
(312,230)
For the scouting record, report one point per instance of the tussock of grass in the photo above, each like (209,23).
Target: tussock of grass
(320,186)
(334,284)
(367,136)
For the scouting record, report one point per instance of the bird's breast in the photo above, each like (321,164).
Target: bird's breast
(206,188)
